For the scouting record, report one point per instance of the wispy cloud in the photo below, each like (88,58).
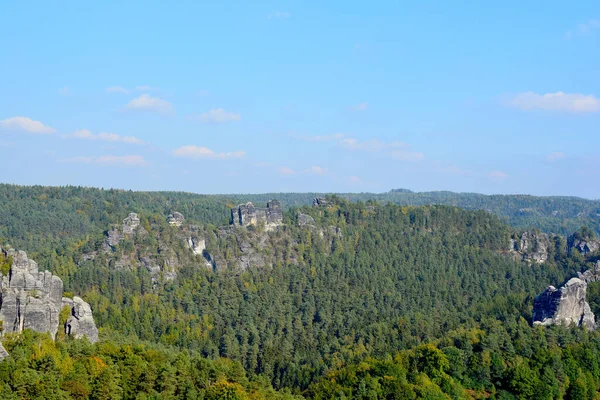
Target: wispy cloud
(117,89)
(217,116)
(498,175)
(407,155)
(316,170)
(279,15)
(286,171)
(24,124)
(360,107)
(148,103)
(106,137)
(205,153)
(556,156)
(65,91)
(321,138)
(559,101)
(131,160)
(146,88)
(584,28)
(369,145)
(354,179)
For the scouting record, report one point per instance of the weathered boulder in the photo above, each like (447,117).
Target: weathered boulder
(176,219)
(531,247)
(30,298)
(247,214)
(81,322)
(564,306)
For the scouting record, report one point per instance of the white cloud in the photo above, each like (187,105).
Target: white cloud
(148,103)
(146,88)
(584,28)
(117,89)
(65,91)
(106,137)
(556,156)
(24,124)
(315,170)
(498,175)
(321,138)
(369,145)
(559,101)
(279,15)
(218,116)
(204,152)
(406,155)
(354,179)
(360,107)
(132,160)
(286,171)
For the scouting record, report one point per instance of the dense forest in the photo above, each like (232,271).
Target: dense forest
(375,298)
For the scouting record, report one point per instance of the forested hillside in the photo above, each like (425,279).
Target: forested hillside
(41,217)
(349,299)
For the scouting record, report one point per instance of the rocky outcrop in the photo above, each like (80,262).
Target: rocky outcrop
(591,275)
(198,247)
(114,236)
(176,219)
(81,322)
(564,306)
(3,353)
(531,247)
(247,214)
(30,299)
(130,224)
(305,219)
(320,202)
(585,246)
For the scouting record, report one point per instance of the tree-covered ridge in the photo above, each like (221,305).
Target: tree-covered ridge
(41,217)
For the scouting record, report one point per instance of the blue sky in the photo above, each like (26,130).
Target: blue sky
(302,96)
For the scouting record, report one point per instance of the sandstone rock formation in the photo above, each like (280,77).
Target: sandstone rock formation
(3,353)
(564,306)
(31,299)
(176,219)
(584,246)
(320,202)
(247,214)
(591,275)
(130,224)
(198,247)
(114,236)
(305,219)
(81,322)
(531,246)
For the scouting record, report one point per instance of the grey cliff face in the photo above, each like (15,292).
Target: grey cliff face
(31,299)
(176,219)
(531,247)
(320,202)
(591,275)
(247,214)
(3,353)
(305,219)
(585,246)
(81,322)
(114,236)
(564,306)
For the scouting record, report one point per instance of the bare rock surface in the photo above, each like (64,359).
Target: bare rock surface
(248,214)
(564,306)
